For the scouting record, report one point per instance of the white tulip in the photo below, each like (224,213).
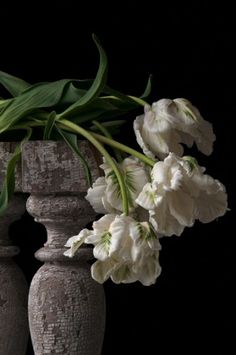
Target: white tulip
(133,253)
(180,193)
(105,196)
(168,124)
(127,250)
(96,195)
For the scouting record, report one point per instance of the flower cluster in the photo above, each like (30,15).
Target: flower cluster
(143,196)
(162,197)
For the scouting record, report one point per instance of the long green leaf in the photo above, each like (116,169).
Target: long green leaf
(30,100)
(97,85)
(94,109)
(72,90)
(8,187)
(47,95)
(71,140)
(13,84)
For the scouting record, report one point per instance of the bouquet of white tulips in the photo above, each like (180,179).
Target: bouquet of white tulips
(144,195)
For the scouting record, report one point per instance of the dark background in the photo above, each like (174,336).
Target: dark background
(189,50)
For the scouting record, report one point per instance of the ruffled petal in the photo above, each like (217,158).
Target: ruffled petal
(181,207)
(103,224)
(149,270)
(101,270)
(123,274)
(148,198)
(75,242)
(211,206)
(120,241)
(102,248)
(163,222)
(95,195)
(138,125)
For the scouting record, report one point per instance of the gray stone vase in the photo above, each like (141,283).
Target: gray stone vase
(66,306)
(14,331)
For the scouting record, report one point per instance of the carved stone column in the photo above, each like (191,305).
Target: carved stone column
(66,306)
(14,331)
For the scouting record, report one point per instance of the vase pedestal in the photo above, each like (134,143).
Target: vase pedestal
(66,306)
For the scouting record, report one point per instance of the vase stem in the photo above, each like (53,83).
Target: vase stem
(66,306)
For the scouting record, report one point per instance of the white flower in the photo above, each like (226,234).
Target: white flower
(96,196)
(75,242)
(133,253)
(168,124)
(127,250)
(179,194)
(105,196)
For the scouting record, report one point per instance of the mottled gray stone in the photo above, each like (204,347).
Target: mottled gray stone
(66,306)
(13,288)
(51,167)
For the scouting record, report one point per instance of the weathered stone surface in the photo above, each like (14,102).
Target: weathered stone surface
(14,289)
(52,167)
(66,306)
(67,310)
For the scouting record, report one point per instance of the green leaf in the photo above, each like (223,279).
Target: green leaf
(97,85)
(118,96)
(49,125)
(34,98)
(98,107)
(148,88)
(8,186)
(71,140)
(72,90)
(13,84)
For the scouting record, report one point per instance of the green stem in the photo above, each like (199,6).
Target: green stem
(125,148)
(138,100)
(108,135)
(100,138)
(68,124)
(118,145)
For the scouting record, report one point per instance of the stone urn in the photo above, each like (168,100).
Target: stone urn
(13,286)
(66,306)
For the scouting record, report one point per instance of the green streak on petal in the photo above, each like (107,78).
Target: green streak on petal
(192,162)
(106,241)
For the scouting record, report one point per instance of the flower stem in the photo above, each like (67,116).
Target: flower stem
(108,135)
(90,137)
(124,148)
(138,100)
(118,145)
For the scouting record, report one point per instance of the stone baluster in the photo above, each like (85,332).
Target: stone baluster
(66,306)
(14,331)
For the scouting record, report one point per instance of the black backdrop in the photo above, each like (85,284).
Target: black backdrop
(189,50)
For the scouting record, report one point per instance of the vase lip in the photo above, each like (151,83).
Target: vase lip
(52,167)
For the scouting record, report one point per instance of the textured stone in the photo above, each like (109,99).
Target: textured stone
(14,289)
(66,306)
(52,167)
